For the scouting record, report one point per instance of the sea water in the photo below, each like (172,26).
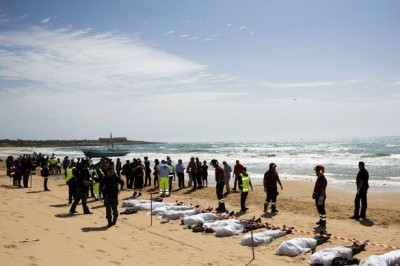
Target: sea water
(295,159)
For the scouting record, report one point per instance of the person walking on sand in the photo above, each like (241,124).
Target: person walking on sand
(83,180)
(237,171)
(361,196)
(220,183)
(271,181)
(227,176)
(109,186)
(244,185)
(319,194)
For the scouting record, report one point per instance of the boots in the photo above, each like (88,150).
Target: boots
(114,222)
(273,209)
(266,206)
(110,223)
(221,208)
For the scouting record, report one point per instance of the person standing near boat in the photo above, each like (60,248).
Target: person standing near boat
(361,196)
(319,194)
(82,180)
(109,187)
(127,172)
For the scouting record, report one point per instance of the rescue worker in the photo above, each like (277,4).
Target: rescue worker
(319,194)
(244,185)
(220,183)
(70,181)
(109,187)
(171,174)
(163,171)
(271,181)
(98,176)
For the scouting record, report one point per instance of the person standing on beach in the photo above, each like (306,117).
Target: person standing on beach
(118,167)
(244,185)
(127,172)
(45,173)
(220,183)
(319,194)
(70,181)
(237,171)
(156,180)
(163,170)
(192,172)
(204,174)
(361,196)
(180,172)
(138,173)
(147,172)
(109,186)
(82,180)
(227,176)
(271,181)
(171,175)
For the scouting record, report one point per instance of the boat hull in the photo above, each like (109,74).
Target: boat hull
(93,153)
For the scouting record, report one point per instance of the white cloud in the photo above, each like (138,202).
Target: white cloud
(242,28)
(76,60)
(169,32)
(47,20)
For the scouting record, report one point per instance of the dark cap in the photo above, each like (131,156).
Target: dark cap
(362,164)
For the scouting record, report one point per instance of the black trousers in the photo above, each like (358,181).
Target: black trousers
(25,178)
(71,190)
(81,194)
(129,182)
(360,198)
(243,197)
(320,207)
(220,190)
(181,180)
(199,180)
(111,204)
(272,194)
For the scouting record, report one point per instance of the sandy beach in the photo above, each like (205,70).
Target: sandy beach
(36,228)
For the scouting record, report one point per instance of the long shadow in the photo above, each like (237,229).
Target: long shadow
(94,229)
(190,191)
(37,191)
(59,205)
(65,215)
(367,222)
(97,207)
(269,215)
(8,186)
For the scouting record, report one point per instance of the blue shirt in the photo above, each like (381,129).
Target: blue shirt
(179,168)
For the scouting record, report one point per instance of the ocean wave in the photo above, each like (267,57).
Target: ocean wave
(375,155)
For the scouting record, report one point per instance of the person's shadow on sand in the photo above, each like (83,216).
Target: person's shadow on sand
(94,229)
(366,222)
(268,214)
(65,215)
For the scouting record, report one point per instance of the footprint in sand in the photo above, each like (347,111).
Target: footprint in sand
(100,250)
(115,262)
(10,246)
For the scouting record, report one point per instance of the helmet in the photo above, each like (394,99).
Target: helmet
(272,165)
(319,169)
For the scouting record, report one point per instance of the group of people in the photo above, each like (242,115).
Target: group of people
(84,177)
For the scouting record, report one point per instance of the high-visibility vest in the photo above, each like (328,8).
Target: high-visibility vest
(70,174)
(245,182)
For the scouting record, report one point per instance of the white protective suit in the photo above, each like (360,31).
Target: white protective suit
(163,209)
(391,258)
(175,215)
(326,255)
(228,227)
(296,246)
(262,238)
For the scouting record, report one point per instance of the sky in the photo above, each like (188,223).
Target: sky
(206,70)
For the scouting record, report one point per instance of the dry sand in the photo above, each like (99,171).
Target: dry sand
(31,214)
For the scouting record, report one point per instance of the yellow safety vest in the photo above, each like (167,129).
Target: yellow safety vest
(245,182)
(70,174)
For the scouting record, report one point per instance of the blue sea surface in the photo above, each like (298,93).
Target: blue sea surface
(295,159)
